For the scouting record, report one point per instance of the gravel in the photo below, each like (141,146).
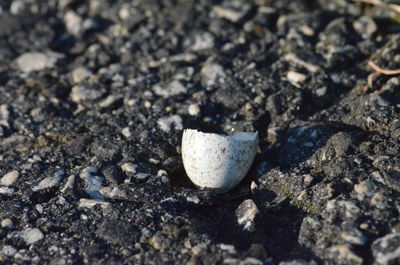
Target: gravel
(95,96)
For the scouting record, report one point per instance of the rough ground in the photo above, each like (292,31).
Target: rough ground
(94,96)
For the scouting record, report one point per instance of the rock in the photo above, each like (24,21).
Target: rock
(365,26)
(69,184)
(118,232)
(83,92)
(87,203)
(129,167)
(73,22)
(113,193)
(212,74)
(234,11)
(8,251)
(7,223)
(6,191)
(126,132)
(386,250)
(169,122)
(298,262)
(295,77)
(343,255)
(246,214)
(202,41)
(172,89)
(49,182)
(354,237)
(92,183)
(194,109)
(80,74)
(36,61)
(9,178)
(31,235)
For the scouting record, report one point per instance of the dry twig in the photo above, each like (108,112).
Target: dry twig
(383,71)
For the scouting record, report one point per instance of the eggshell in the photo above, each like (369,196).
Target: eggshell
(218,161)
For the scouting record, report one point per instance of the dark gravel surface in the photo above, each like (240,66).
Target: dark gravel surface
(94,96)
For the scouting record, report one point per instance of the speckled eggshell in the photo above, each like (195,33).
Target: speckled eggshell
(217,161)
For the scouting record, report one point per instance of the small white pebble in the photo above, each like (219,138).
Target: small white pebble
(126,132)
(87,203)
(142,176)
(7,223)
(295,77)
(169,122)
(194,109)
(129,167)
(32,235)
(9,178)
(6,191)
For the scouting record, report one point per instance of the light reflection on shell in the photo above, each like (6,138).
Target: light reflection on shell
(217,161)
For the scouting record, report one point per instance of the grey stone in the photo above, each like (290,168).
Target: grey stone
(32,235)
(246,214)
(9,178)
(386,250)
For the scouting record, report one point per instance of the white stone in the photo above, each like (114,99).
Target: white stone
(32,235)
(36,61)
(49,182)
(246,214)
(7,223)
(8,250)
(80,74)
(218,161)
(172,89)
(6,191)
(166,123)
(129,167)
(87,203)
(9,178)
(212,73)
(93,184)
(194,109)
(73,22)
(126,132)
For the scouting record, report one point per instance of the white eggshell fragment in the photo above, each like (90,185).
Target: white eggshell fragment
(218,161)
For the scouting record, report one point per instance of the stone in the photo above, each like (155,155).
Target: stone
(80,74)
(365,26)
(212,74)
(49,182)
(234,11)
(129,167)
(93,183)
(203,41)
(8,251)
(82,92)
(9,178)
(6,191)
(194,109)
(73,22)
(7,223)
(386,250)
(126,132)
(172,89)
(342,254)
(246,214)
(168,122)
(37,61)
(88,203)
(32,235)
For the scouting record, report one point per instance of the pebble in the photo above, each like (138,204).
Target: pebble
(365,26)
(32,235)
(49,182)
(69,184)
(92,183)
(8,251)
(234,11)
(129,167)
(9,178)
(80,74)
(113,193)
(166,123)
(203,41)
(386,250)
(194,109)
(354,237)
(343,255)
(81,93)
(73,22)
(212,73)
(88,203)
(172,89)
(6,191)
(246,214)
(229,248)
(126,132)
(295,77)
(7,223)
(36,61)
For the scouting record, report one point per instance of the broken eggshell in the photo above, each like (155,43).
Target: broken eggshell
(218,161)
